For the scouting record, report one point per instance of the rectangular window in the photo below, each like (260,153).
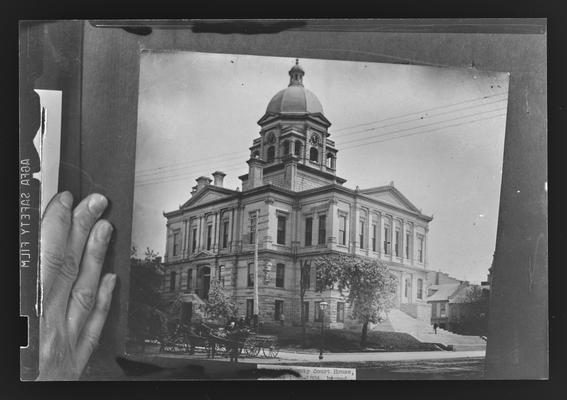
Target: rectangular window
(209,236)
(342,230)
(280,274)
(442,310)
(340,311)
(172,277)
(250,308)
(250,275)
(307,276)
(386,241)
(281,230)
(407,244)
(175,243)
(318,282)
(317,311)
(189,279)
(278,309)
(220,275)
(306,311)
(308,231)
(322,229)
(225,234)
(420,249)
(361,235)
(397,243)
(253,228)
(420,288)
(194,241)
(373,237)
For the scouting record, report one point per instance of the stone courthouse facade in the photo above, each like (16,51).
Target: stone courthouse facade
(304,211)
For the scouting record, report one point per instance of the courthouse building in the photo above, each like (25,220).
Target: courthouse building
(304,211)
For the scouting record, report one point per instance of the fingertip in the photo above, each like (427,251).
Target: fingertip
(111,281)
(66,199)
(97,203)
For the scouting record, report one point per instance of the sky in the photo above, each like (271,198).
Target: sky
(438,133)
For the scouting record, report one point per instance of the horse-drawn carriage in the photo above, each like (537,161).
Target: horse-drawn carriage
(219,342)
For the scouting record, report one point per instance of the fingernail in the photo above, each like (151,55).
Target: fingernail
(66,198)
(104,231)
(97,203)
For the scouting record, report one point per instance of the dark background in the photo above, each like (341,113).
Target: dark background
(98,69)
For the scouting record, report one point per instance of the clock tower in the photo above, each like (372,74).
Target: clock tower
(294,150)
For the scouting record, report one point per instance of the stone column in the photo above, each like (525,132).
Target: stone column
(367,233)
(414,247)
(391,238)
(200,232)
(403,240)
(425,252)
(332,223)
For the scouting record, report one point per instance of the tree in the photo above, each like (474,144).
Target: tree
(146,320)
(369,285)
(474,305)
(218,304)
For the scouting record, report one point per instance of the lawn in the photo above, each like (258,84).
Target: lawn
(338,340)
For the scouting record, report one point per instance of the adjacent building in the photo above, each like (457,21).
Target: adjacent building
(457,305)
(302,210)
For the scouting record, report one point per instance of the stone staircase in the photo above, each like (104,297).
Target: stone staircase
(398,321)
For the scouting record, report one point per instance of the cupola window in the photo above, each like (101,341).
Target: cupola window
(313,155)
(298,148)
(271,154)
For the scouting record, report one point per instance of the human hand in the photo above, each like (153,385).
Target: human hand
(74,303)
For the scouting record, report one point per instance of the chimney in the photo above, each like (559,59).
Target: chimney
(219,176)
(255,173)
(202,181)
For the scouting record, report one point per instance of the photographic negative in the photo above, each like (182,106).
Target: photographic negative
(284,208)
(257,176)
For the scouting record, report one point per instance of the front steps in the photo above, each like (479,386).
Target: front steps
(398,321)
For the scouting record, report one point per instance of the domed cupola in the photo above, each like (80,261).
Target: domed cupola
(295,99)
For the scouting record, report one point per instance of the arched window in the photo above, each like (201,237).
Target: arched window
(313,155)
(330,161)
(271,154)
(286,147)
(256,154)
(298,148)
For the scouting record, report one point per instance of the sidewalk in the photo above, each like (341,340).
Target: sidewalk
(290,357)
(285,357)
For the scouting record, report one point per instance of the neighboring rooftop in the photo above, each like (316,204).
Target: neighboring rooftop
(443,291)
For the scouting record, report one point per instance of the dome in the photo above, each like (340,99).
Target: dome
(293,100)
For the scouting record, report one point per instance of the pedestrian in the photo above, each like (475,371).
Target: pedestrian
(282,319)
(233,337)
(435,326)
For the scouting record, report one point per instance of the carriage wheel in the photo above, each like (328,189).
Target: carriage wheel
(271,351)
(250,348)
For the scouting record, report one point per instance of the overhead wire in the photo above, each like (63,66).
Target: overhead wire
(359,142)
(181,165)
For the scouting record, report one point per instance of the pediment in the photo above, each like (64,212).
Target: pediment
(206,195)
(390,195)
(204,253)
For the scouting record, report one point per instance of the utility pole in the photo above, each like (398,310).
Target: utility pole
(256,305)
